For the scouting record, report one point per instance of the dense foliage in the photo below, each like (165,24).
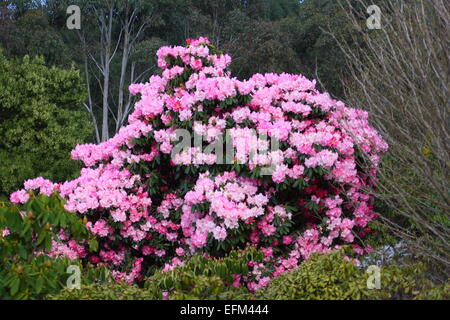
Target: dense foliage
(203,277)
(104,291)
(27,235)
(325,277)
(333,277)
(41,119)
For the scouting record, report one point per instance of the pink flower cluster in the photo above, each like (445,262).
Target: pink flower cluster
(232,201)
(71,250)
(44,186)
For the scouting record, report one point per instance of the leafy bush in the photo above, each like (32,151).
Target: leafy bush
(32,227)
(44,275)
(200,278)
(31,245)
(332,277)
(104,291)
(326,276)
(206,278)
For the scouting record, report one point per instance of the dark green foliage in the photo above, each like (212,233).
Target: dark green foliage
(33,34)
(41,218)
(41,120)
(199,278)
(322,277)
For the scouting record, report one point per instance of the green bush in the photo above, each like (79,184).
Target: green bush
(440,292)
(104,291)
(205,278)
(331,277)
(327,276)
(26,272)
(44,275)
(35,224)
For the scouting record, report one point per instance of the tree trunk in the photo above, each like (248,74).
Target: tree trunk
(106,71)
(123,70)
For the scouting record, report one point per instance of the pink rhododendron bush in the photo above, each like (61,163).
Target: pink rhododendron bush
(295,181)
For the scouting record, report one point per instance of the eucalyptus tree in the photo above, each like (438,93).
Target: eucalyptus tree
(108,40)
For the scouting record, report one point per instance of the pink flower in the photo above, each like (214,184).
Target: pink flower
(268,252)
(100,228)
(198,240)
(160,253)
(147,250)
(236,280)
(20,196)
(179,251)
(287,240)
(5,232)
(219,233)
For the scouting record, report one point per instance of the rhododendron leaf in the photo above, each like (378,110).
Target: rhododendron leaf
(10,218)
(26,227)
(48,242)
(93,245)
(41,237)
(39,284)
(62,217)
(14,286)
(22,252)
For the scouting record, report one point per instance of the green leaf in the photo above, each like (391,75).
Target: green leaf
(22,252)
(15,286)
(39,284)
(41,237)
(93,245)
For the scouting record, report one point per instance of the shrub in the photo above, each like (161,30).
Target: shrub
(44,275)
(332,277)
(150,205)
(206,278)
(321,277)
(103,291)
(31,248)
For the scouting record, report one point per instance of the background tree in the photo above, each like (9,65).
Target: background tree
(118,39)
(41,121)
(400,74)
(111,30)
(26,30)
